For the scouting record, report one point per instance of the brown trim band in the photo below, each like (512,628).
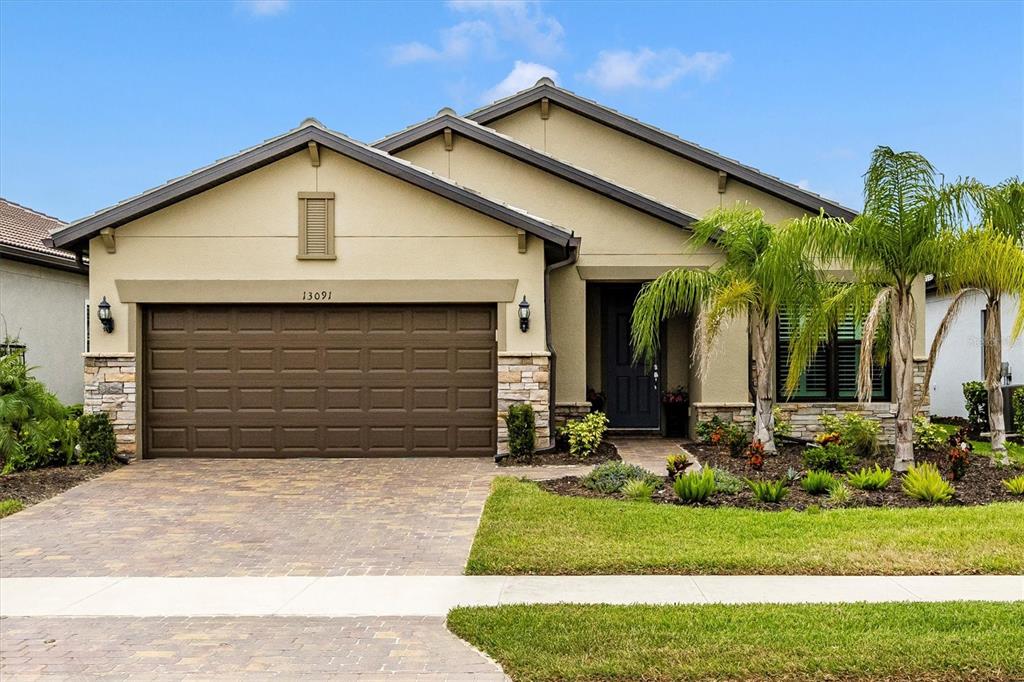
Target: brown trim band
(46,260)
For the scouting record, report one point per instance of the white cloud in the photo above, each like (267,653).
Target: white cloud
(458,42)
(522,22)
(645,68)
(522,76)
(263,8)
(804,185)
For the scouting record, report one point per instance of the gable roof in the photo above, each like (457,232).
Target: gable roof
(22,237)
(284,145)
(502,143)
(545,88)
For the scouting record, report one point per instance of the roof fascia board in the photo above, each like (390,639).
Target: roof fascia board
(641,131)
(277,149)
(493,140)
(23,255)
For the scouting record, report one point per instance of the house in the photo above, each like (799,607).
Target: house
(315,295)
(44,294)
(962,356)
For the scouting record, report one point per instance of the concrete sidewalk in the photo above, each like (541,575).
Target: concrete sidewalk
(348,596)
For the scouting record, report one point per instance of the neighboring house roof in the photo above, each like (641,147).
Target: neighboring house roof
(284,145)
(584,107)
(502,143)
(23,233)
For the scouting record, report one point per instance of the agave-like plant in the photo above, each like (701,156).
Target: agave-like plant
(988,260)
(757,279)
(908,229)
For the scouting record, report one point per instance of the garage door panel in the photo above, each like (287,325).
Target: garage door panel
(286,381)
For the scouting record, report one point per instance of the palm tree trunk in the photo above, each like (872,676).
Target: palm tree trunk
(903,377)
(993,366)
(763,348)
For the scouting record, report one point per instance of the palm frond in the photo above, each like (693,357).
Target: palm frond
(874,318)
(955,306)
(674,293)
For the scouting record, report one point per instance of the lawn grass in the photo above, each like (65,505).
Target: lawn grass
(525,530)
(984,447)
(911,641)
(8,507)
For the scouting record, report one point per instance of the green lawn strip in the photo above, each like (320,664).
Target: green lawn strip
(8,507)
(912,641)
(525,530)
(984,447)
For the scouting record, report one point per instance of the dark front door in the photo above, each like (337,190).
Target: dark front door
(632,391)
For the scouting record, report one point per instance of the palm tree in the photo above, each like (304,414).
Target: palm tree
(907,230)
(757,280)
(990,261)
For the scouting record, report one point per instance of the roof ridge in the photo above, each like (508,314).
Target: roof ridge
(32,210)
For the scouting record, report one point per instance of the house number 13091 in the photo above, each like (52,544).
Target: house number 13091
(316,295)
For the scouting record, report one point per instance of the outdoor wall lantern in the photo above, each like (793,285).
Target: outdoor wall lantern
(106,319)
(524,315)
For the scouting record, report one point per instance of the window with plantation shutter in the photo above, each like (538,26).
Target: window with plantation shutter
(832,374)
(316,225)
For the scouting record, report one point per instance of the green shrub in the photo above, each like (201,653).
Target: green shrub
(832,457)
(769,491)
(727,482)
(1017,401)
(856,433)
(676,464)
(696,486)
(35,430)
(522,429)
(639,490)
(1015,485)
(927,435)
(783,427)
(976,402)
(8,507)
(97,439)
(610,477)
(818,482)
(925,483)
(585,434)
(717,432)
(704,429)
(870,479)
(838,495)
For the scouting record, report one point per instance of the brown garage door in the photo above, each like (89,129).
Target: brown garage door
(333,381)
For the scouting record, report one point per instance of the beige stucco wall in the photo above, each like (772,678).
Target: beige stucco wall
(45,309)
(238,242)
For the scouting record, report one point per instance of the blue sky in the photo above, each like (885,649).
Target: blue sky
(99,101)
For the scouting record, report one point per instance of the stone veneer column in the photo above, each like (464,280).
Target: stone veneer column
(524,377)
(570,410)
(740,413)
(110,387)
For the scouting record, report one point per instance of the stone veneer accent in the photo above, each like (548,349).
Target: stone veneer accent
(525,378)
(110,387)
(741,413)
(566,411)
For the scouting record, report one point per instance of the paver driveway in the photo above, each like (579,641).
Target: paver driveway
(255,518)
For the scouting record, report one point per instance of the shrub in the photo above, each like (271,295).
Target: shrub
(976,402)
(704,429)
(857,433)
(828,438)
(959,458)
(831,457)
(639,490)
(97,439)
(792,475)
(35,430)
(769,491)
(1017,401)
(717,432)
(585,434)
(755,455)
(870,479)
(783,427)
(1015,485)
(925,483)
(726,482)
(676,464)
(928,435)
(818,482)
(610,477)
(696,486)
(522,429)
(838,495)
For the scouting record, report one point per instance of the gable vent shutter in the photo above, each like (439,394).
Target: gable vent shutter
(316,225)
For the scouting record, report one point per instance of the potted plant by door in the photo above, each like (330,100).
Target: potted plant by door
(676,404)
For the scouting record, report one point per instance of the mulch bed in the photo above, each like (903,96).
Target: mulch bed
(606,452)
(982,484)
(32,487)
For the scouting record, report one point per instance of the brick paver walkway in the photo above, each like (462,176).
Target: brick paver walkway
(363,649)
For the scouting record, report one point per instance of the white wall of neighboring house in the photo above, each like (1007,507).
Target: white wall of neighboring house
(961,359)
(45,309)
